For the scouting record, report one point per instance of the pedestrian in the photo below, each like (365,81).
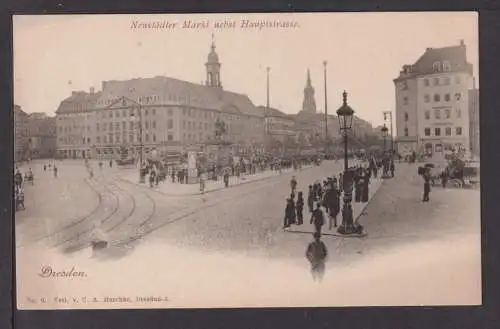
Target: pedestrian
(44,167)
(186,176)
(172,175)
(110,163)
(226,178)
(293,184)
(334,206)
(392,168)
(366,187)
(317,254)
(300,209)
(55,171)
(358,189)
(151,179)
(318,219)
(444,178)
(427,185)
(289,213)
(310,199)
(319,192)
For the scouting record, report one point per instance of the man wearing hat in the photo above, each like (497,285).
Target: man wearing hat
(316,254)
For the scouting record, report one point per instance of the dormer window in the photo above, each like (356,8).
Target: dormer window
(446,66)
(436,67)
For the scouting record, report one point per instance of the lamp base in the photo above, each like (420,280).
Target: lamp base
(351,230)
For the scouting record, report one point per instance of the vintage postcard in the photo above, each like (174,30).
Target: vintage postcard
(246,160)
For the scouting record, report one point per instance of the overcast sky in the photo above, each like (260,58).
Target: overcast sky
(54,55)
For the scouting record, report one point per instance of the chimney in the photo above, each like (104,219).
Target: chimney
(103,85)
(462,42)
(428,48)
(91,90)
(73,93)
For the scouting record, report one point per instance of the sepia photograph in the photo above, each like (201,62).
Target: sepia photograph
(246,160)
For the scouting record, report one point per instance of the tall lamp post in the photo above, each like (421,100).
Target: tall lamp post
(345,114)
(138,119)
(326,111)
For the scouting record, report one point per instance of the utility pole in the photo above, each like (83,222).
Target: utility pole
(326,111)
(266,132)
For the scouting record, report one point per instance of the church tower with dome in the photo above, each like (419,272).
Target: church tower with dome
(213,68)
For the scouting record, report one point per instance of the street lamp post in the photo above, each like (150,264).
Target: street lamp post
(384,132)
(345,114)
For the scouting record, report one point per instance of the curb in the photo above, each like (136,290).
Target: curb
(368,203)
(207,192)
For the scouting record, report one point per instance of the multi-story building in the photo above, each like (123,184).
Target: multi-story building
(432,100)
(41,135)
(156,112)
(474,121)
(279,126)
(20,134)
(76,120)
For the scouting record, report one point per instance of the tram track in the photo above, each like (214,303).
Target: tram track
(182,214)
(77,246)
(76,222)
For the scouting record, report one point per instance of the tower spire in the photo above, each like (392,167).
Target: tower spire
(309,103)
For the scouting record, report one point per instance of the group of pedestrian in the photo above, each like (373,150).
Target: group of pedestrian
(326,197)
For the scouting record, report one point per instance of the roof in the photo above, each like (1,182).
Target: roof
(170,91)
(272,112)
(82,99)
(456,55)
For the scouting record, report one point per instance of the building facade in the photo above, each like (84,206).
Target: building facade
(474,125)
(20,134)
(279,127)
(155,113)
(41,135)
(432,114)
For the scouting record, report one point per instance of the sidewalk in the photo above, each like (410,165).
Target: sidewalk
(357,209)
(177,189)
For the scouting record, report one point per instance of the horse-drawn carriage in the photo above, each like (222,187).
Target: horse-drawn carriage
(457,173)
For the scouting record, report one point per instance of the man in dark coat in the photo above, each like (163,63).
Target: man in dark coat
(366,187)
(289,213)
(427,185)
(357,187)
(310,199)
(226,179)
(300,209)
(318,219)
(334,206)
(392,168)
(316,254)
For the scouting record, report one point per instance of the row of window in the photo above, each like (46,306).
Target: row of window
(446,97)
(437,98)
(437,131)
(446,114)
(447,131)
(445,81)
